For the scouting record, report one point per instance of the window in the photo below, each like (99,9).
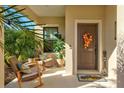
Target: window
(50,35)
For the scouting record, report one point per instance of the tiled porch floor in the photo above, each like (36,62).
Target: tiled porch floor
(56,78)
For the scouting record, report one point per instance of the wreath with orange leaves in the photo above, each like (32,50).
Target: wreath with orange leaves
(87,38)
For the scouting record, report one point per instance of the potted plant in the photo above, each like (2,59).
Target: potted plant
(59,47)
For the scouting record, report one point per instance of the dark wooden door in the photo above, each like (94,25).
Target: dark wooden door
(87,56)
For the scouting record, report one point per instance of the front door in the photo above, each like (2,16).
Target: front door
(87,48)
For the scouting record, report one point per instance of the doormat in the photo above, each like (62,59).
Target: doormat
(88,78)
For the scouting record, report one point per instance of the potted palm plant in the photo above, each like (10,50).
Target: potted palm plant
(59,47)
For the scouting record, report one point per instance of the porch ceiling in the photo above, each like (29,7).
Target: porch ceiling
(48,10)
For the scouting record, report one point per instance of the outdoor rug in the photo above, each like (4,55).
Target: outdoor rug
(88,78)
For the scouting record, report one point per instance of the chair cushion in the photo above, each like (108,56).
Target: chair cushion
(32,75)
(19,65)
(24,68)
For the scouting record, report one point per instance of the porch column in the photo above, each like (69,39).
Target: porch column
(120,46)
(1,59)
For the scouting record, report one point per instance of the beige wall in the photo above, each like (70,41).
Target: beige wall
(79,12)
(110,42)
(110,18)
(1,62)
(60,21)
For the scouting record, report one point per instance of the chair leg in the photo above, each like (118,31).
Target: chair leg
(19,83)
(41,83)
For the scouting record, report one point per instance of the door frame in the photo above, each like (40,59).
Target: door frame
(100,64)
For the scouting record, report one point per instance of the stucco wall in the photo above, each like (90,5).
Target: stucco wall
(60,21)
(110,42)
(79,12)
(110,19)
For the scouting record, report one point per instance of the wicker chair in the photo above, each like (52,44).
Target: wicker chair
(35,72)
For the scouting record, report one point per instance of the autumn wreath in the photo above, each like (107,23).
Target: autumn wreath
(87,38)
